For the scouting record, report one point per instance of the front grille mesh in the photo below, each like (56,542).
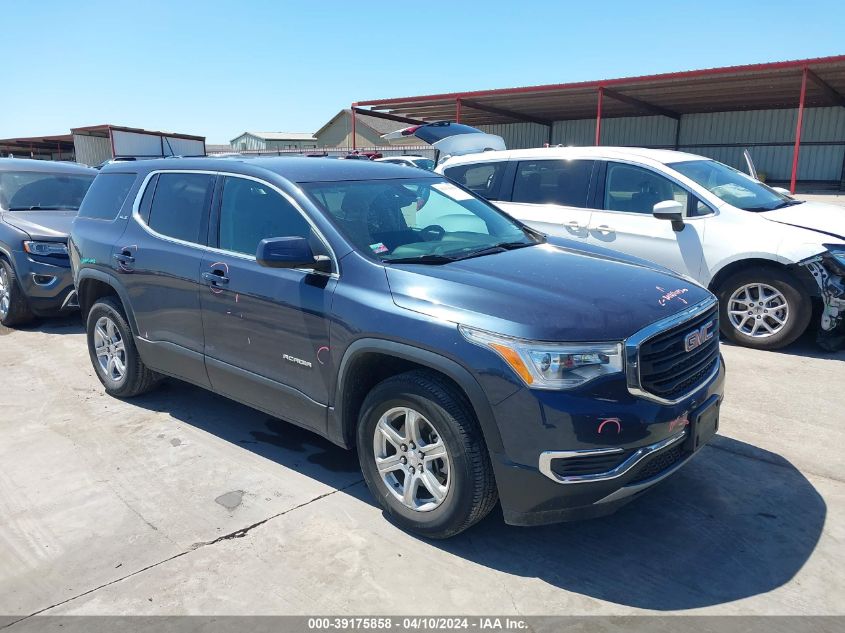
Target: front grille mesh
(667,370)
(589,464)
(656,464)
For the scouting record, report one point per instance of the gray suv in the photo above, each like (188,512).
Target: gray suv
(38,201)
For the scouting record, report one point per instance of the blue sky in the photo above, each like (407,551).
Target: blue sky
(217,68)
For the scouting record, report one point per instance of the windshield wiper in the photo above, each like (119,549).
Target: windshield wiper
(501,247)
(788,203)
(421,259)
(37,207)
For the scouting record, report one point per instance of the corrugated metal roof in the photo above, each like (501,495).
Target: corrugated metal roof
(750,87)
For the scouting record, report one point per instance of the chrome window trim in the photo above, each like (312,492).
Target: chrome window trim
(546,458)
(136,215)
(631,347)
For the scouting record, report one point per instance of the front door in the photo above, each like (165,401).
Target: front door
(552,196)
(267,329)
(625,222)
(158,259)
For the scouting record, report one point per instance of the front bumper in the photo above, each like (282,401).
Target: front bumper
(48,287)
(644,443)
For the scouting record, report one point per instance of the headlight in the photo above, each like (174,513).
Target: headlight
(45,249)
(551,365)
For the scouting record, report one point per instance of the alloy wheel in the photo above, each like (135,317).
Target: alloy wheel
(110,349)
(758,310)
(412,459)
(5,293)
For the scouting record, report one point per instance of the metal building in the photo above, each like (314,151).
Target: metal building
(261,141)
(96,143)
(790,115)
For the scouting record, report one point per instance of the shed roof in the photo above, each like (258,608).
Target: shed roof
(103,130)
(279,136)
(380,126)
(749,87)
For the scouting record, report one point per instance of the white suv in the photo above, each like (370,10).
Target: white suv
(766,255)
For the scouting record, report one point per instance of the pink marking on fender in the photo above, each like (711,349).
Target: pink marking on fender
(615,421)
(319,351)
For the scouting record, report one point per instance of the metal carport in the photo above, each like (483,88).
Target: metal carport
(805,83)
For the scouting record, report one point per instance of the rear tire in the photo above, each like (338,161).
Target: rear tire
(763,308)
(448,466)
(14,308)
(111,347)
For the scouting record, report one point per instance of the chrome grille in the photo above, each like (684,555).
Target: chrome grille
(663,367)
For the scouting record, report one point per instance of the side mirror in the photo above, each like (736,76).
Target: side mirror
(671,210)
(290,252)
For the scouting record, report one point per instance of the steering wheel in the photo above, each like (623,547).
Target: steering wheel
(435,230)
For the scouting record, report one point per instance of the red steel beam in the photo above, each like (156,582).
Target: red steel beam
(352,114)
(687,74)
(797,148)
(598,116)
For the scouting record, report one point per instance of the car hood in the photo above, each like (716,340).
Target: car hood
(42,225)
(546,292)
(817,216)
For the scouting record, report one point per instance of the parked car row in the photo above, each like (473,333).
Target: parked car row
(769,258)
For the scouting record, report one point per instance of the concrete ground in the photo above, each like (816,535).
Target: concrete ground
(181,502)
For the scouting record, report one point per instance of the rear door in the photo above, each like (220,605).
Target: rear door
(267,329)
(158,261)
(627,194)
(553,196)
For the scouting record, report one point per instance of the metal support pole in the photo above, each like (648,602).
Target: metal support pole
(797,148)
(352,114)
(598,116)
(458,110)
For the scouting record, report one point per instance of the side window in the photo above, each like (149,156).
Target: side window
(565,182)
(180,205)
(636,190)
(485,179)
(106,196)
(251,211)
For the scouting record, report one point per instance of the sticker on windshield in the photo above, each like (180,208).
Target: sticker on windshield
(452,191)
(378,247)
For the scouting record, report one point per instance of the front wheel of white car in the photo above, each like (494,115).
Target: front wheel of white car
(763,308)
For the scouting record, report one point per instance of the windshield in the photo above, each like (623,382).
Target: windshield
(424,163)
(417,220)
(733,186)
(32,190)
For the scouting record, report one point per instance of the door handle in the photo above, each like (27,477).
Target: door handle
(572,224)
(604,228)
(216,277)
(124,258)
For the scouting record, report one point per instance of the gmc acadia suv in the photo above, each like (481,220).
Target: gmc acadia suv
(468,357)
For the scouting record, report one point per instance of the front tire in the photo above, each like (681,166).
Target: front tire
(763,308)
(113,353)
(423,455)
(14,309)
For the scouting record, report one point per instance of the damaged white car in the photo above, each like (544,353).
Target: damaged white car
(773,260)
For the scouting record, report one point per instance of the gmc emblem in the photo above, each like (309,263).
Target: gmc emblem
(699,337)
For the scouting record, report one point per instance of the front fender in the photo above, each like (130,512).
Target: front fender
(340,429)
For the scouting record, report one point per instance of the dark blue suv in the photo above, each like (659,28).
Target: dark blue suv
(38,201)
(468,357)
